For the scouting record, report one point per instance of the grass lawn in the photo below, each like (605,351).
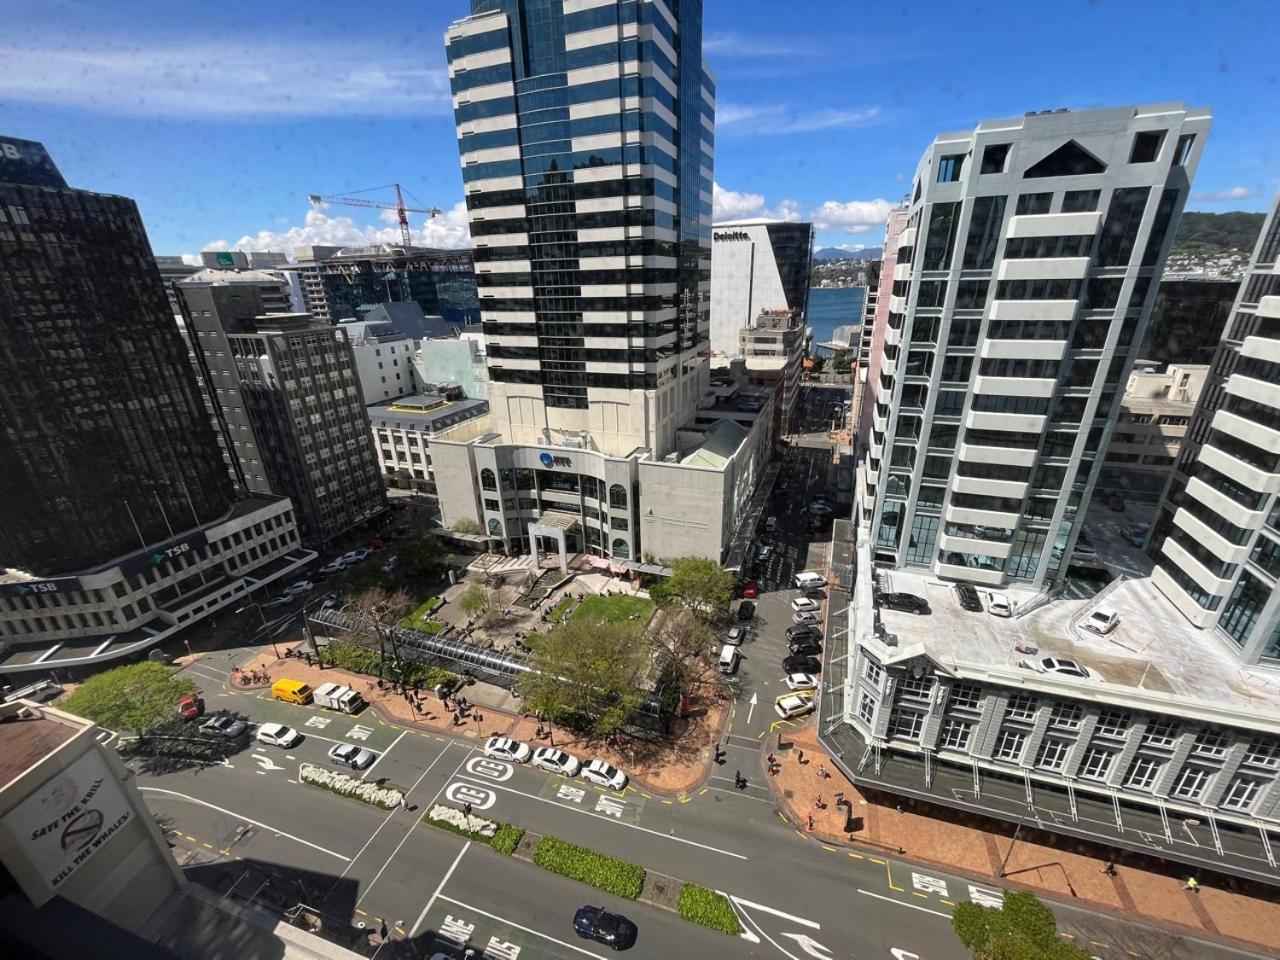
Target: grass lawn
(420,618)
(561,608)
(614,609)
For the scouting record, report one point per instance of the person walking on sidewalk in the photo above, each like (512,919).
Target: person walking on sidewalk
(1192,884)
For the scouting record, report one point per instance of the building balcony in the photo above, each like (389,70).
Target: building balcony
(892,336)
(1024,349)
(897,304)
(1012,422)
(981,518)
(986,548)
(1014,456)
(1234,425)
(902,271)
(1015,386)
(1055,224)
(888,366)
(1269,307)
(877,450)
(1243,473)
(1046,268)
(1197,614)
(1033,309)
(1212,541)
(990,488)
(907,238)
(1261,348)
(982,575)
(879,423)
(1224,507)
(1260,391)
(1196,570)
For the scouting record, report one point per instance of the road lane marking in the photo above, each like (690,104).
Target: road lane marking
(512,923)
(622,823)
(239,816)
(434,896)
(902,903)
(776,912)
(384,753)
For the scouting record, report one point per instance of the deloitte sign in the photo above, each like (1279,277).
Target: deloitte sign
(732,235)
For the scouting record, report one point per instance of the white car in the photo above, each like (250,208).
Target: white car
(277,734)
(556,761)
(764,552)
(805,616)
(1065,668)
(804,605)
(356,556)
(333,567)
(283,600)
(299,588)
(794,704)
(597,771)
(802,681)
(504,748)
(736,635)
(1102,621)
(999,606)
(349,755)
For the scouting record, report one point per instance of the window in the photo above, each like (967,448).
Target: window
(873,672)
(1243,606)
(955,734)
(1120,230)
(1080,201)
(984,233)
(866,708)
(966,695)
(1032,203)
(487,479)
(944,218)
(913,688)
(949,168)
(993,157)
(1009,746)
(1113,723)
(1052,754)
(1146,146)
(1021,707)
(1161,733)
(1069,160)
(1182,152)
(1241,794)
(1142,773)
(1191,782)
(1262,751)
(906,724)
(618,497)
(1097,762)
(1210,743)
(924,533)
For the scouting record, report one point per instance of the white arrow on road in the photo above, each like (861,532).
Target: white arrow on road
(809,945)
(266,762)
(752,708)
(900,954)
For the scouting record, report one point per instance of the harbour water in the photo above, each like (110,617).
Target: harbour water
(831,307)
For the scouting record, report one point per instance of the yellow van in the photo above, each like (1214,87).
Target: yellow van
(291,691)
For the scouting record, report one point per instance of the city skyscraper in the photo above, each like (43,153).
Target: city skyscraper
(1023,284)
(1219,553)
(105,446)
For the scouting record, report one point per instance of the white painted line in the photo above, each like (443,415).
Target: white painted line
(384,753)
(600,816)
(777,946)
(902,903)
(739,793)
(240,816)
(777,913)
(512,923)
(432,899)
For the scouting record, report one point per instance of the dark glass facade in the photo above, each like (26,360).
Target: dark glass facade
(441,282)
(105,445)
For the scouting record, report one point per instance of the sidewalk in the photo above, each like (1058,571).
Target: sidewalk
(1058,867)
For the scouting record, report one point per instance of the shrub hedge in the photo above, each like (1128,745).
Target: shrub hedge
(358,659)
(504,841)
(708,908)
(607,873)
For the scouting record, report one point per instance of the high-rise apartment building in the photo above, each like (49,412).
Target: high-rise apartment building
(872,344)
(1219,535)
(1023,282)
(757,266)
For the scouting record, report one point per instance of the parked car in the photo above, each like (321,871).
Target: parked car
(356,556)
(391,564)
(1102,620)
(751,589)
(803,604)
(999,606)
(1066,668)
(299,588)
(736,635)
(556,761)
(224,725)
(597,771)
(504,748)
(764,552)
(332,567)
(598,924)
(804,616)
(282,600)
(190,706)
(770,524)
(1137,533)
(802,631)
(969,599)
(806,646)
(746,610)
(794,704)
(278,735)
(907,602)
(801,663)
(801,681)
(349,755)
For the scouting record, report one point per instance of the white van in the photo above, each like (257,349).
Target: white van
(809,580)
(1102,621)
(728,658)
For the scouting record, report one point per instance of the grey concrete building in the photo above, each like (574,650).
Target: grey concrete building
(404,428)
(773,348)
(756,266)
(1023,284)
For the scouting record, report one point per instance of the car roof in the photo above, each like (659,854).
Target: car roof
(271,727)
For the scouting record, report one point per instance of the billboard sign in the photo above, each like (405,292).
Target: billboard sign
(27,588)
(155,556)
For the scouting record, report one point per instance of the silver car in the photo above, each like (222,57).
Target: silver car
(349,755)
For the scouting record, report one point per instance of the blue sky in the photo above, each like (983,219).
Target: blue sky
(220,118)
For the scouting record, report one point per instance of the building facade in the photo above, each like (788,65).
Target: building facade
(404,428)
(340,283)
(104,442)
(756,265)
(1187,320)
(1023,285)
(457,361)
(871,353)
(1219,536)
(383,359)
(774,350)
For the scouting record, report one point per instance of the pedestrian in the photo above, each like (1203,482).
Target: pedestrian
(383,931)
(403,802)
(466,808)
(800,756)
(822,771)
(1109,869)
(456,721)
(1193,885)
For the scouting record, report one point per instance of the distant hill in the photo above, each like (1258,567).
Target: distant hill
(835,253)
(1217,232)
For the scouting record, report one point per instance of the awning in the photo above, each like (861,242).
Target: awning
(597,562)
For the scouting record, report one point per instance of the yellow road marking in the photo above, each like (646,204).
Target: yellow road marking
(191,838)
(879,861)
(949,903)
(799,832)
(361,912)
(1069,936)
(828,849)
(917,893)
(685,799)
(667,802)
(1131,953)
(1095,943)
(856,856)
(209,845)
(224,851)
(782,816)
(703,790)
(645,795)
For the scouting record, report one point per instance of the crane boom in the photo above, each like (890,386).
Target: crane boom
(401,210)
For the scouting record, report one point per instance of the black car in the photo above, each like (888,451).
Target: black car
(746,610)
(968,597)
(904,601)
(598,924)
(805,645)
(800,663)
(802,631)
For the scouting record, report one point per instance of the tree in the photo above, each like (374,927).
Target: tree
(420,557)
(136,697)
(466,525)
(374,612)
(682,641)
(1022,929)
(588,674)
(475,601)
(697,583)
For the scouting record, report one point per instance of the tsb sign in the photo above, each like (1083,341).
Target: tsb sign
(9,151)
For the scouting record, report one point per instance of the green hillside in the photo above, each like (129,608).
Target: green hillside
(1213,232)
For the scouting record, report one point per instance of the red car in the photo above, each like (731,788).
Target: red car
(751,589)
(190,707)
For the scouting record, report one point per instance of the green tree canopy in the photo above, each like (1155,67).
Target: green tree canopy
(476,601)
(466,525)
(1022,929)
(420,557)
(697,583)
(588,673)
(135,697)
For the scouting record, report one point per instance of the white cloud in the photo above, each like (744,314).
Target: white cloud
(776,119)
(835,216)
(320,228)
(735,45)
(732,205)
(1221,196)
(851,216)
(240,79)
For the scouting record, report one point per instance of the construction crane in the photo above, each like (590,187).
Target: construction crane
(351,200)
